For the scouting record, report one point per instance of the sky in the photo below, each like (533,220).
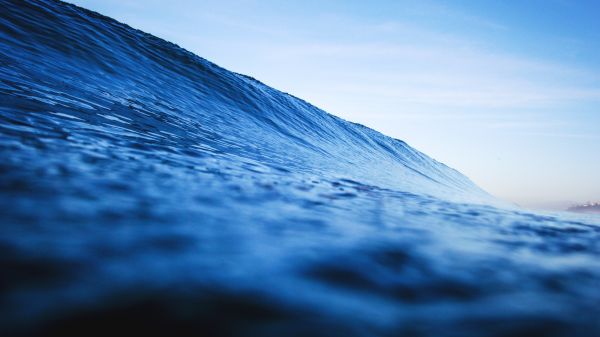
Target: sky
(507,92)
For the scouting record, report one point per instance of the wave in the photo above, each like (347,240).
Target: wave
(147,191)
(166,98)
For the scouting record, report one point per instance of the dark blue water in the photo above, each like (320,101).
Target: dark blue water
(147,191)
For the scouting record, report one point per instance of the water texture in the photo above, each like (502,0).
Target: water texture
(147,191)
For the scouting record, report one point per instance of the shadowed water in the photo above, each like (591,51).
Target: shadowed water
(147,191)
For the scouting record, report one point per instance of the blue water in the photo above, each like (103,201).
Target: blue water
(147,191)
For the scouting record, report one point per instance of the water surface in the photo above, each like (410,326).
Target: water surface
(145,190)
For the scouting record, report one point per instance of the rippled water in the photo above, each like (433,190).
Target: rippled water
(145,190)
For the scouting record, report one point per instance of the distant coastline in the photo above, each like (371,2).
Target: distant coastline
(586,208)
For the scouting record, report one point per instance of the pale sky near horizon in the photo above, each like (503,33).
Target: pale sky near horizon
(507,92)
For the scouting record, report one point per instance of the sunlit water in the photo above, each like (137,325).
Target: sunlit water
(145,190)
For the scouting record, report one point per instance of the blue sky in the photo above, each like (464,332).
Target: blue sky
(507,92)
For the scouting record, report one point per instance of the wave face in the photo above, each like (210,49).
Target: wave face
(145,190)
